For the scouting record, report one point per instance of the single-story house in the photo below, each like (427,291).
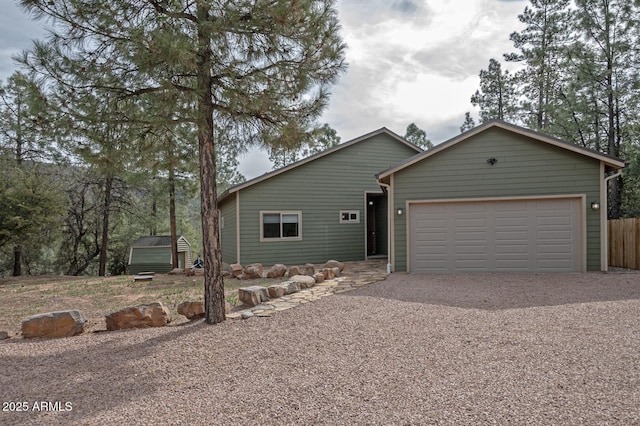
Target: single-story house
(153,254)
(498,197)
(327,206)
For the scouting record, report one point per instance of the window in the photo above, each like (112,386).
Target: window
(280,225)
(349,216)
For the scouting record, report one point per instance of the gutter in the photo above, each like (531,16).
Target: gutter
(386,189)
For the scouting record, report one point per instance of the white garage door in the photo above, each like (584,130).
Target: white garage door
(541,235)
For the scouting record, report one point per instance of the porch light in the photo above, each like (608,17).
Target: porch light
(399,212)
(595,205)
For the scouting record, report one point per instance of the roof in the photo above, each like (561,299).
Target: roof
(329,151)
(609,160)
(155,241)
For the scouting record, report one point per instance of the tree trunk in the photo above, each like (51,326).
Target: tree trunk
(106,210)
(17,260)
(213,284)
(172,217)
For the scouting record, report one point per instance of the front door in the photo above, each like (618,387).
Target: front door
(371,227)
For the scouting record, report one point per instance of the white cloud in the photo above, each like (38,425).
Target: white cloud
(420,65)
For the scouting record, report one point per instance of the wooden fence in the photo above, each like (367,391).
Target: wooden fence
(624,243)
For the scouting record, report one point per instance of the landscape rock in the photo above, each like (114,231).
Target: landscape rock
(293,270)
(334,264)
(235,270)
(304,281)
(319,277)
(54,324)
(336,271)
(253,295)
(328,273)
(276,271)
(191,310)
(309,270)
(152,315)
(246,315)
(4,335)
(276,290)
(176,271)
(252,272)
(290,287)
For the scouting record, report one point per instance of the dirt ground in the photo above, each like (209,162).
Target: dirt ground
(95,297)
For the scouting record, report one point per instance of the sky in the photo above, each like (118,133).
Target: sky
(409,61)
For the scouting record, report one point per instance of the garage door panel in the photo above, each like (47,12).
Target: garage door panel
(513,235)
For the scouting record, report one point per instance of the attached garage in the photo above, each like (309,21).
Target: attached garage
(522,235)
(499,198)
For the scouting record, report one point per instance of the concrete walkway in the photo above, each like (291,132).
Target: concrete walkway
(354,275)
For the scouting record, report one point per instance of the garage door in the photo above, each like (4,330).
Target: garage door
(541,235)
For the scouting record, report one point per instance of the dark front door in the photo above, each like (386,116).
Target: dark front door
(371,227)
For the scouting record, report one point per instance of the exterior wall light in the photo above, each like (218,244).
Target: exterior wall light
(399,212)
(595,205)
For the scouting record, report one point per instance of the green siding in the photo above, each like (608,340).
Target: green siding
(228,231)
(525,167)
(155,259)
(320,189)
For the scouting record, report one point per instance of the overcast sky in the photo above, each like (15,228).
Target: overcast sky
(409,61)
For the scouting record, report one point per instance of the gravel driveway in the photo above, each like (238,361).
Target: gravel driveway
(439,349)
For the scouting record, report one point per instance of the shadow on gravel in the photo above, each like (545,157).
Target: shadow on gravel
(72,375)
(504,291)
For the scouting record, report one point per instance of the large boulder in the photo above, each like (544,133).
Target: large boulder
(276,291)
(252,272)
(308,269)
(142,316)
(334,264)
(276,271)
(328,273)
(293,270)
(191,310)
(54,324)
(290,287)
(304,281)
(253,295)
(235,270)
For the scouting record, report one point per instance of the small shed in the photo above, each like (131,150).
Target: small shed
(153,253)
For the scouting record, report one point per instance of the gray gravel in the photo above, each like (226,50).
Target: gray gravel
(444,349)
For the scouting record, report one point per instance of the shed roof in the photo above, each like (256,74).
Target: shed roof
(329,151)
(609,160)
(156,241)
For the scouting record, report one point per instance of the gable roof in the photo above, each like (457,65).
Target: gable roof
(329,151)
(609,160)
(155,241)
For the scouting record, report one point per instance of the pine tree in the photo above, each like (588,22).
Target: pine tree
(541,45)
(266,65)
(417,136)
(496,98)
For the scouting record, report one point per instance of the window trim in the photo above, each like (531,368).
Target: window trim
(281,213)
(349,212)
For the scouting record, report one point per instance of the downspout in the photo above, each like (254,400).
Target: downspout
(386,189)
(605,213)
